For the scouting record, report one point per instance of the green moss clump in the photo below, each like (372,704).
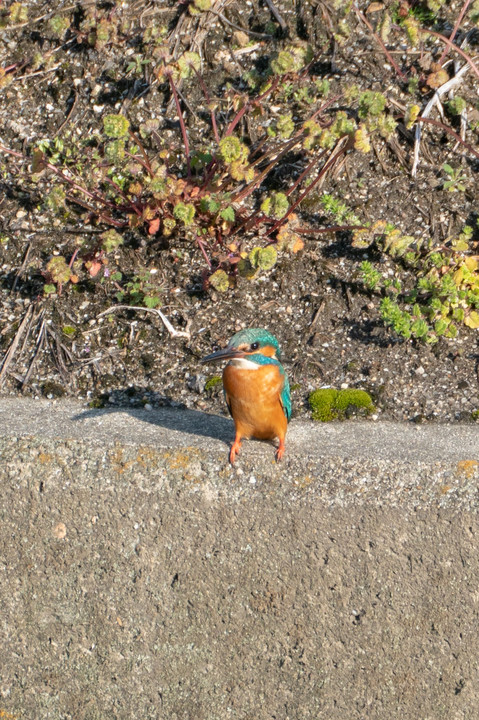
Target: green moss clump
(329,404)
(97,403)
(212,382)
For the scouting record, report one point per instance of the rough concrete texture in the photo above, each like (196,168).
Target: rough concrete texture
(142,577)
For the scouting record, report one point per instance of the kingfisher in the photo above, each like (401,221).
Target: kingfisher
(256,388)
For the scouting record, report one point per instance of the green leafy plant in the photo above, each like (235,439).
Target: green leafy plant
(59,24)
(224,192)
(457,180)
(275,205)
(142,289)
(199,6)
(111,175)
(371,277)
(115,126)
(263,258)
(57,274)
(371,104)
(18,13)
(219,280)
(443,294)
(456,105)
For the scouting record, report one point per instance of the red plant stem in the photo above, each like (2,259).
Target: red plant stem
(70,264)
(208,100)
(456,28)
(142,162)
(332,228)
(79,188)
(131,205)
(105,218)
(449,130)
(202,248)
(146,163)
(209,174)
(247,224)
(325,106)
(327,165)
(12,152)
(215,126)
(362,17)
(182,123)
(453,46)
(299,134)
(258,147)
(305,172)
(291,143)
(247,106)
(305,69)
(65,178)
(251,186)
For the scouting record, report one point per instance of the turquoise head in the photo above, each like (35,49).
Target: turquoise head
(253,341)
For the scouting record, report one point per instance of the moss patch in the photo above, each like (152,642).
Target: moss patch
(329,404)
(212,382)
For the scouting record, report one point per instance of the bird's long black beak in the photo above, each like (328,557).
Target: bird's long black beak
(225,354)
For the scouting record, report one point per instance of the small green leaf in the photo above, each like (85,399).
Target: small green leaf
(232,149)
(263,258)
(440,326)
(219,280)
(246,269)
(228,214)
(115,126)
(187,62)
(472,320)
(184,212)
(209,204)
(59,270)
(151,301)
(111,239)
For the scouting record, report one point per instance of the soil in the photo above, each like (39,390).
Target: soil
(328,325)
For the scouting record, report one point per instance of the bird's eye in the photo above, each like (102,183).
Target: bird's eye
(254,346)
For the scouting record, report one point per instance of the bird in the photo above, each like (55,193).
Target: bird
(255,387)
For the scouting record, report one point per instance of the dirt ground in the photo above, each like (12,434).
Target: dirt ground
(328,324)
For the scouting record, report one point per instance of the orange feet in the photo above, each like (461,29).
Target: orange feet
(280,450)
(235,448)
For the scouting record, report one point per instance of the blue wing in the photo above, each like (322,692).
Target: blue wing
(286,398)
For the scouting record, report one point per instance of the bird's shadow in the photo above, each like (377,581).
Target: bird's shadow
(183,420)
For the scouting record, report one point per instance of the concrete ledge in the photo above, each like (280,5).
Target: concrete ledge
(142,576)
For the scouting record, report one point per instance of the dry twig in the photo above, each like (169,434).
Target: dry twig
(174,333)
(9,355)
(435,100)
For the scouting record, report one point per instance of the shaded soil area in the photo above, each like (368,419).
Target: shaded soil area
(61,81)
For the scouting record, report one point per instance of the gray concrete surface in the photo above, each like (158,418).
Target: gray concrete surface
(142,577)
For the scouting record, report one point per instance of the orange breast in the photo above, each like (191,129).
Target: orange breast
(254,399)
